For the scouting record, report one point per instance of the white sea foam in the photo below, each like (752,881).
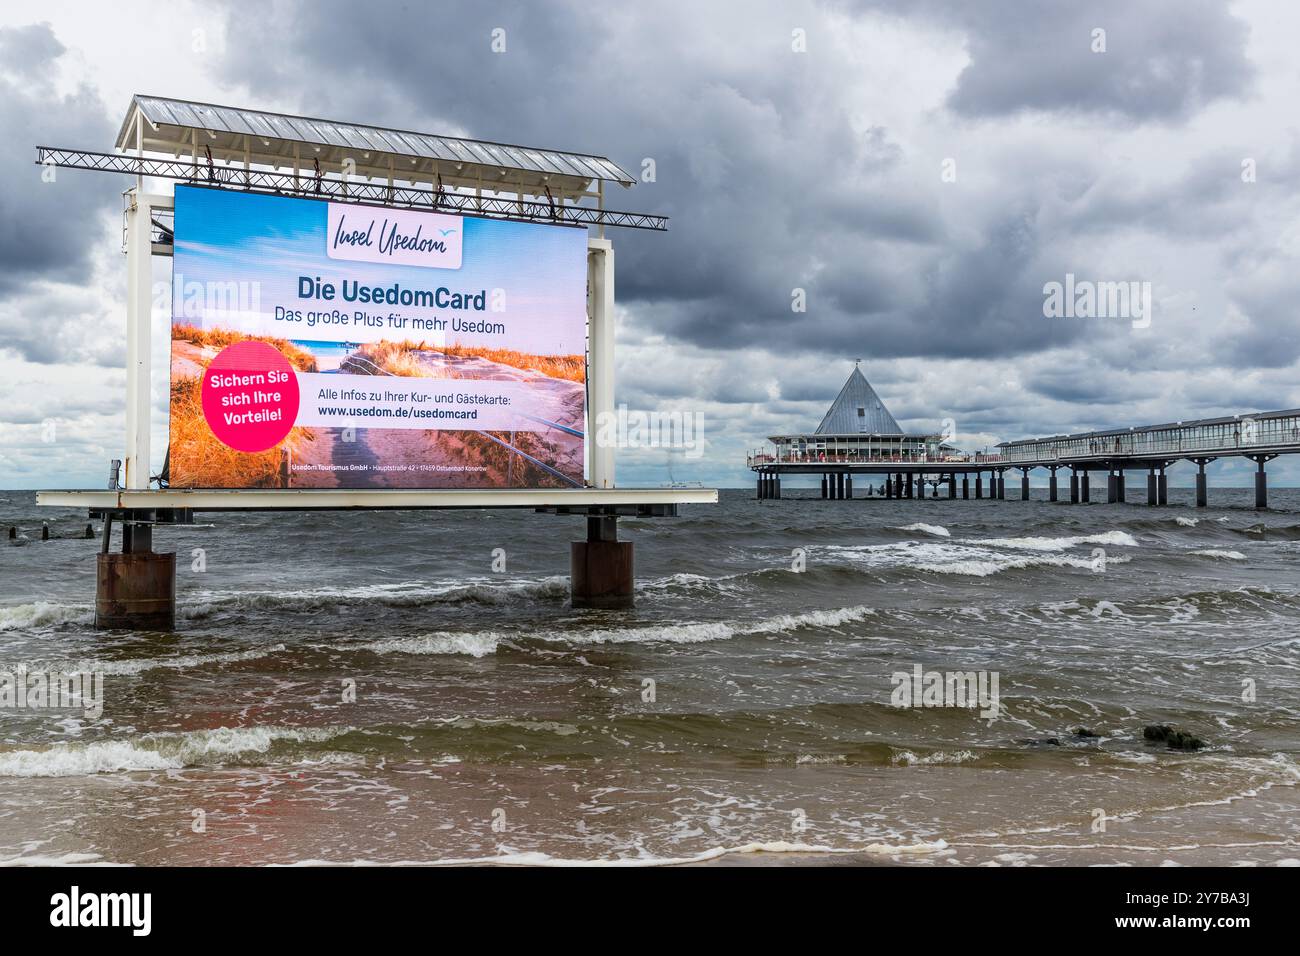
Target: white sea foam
(939,531)
(711,630)
(43,614)
(63,859)
(1216,553)
(482,643)
(478,644)
(971,558)
(1113,538)
(1188,522)
(546,860)
(130,667)
(169,751)
(984,566)
(407,594)
(907,758)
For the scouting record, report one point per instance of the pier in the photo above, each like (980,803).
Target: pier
(858,438)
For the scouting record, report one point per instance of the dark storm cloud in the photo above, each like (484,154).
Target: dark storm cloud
(769,186)
(1163,59)
(47,230)
(773,182)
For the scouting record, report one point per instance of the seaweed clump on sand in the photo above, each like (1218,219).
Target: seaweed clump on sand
(1176,739)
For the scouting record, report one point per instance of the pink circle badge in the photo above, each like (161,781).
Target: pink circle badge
(250,396)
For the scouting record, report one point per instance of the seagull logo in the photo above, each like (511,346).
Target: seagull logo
(446,232)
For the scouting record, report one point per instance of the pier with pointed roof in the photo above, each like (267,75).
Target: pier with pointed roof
(858,436)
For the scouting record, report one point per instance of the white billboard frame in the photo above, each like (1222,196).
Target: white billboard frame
(141,207)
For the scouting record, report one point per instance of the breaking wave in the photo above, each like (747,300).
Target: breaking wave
(1114,538)
(939,531)
(1217,553)
(546,860)
(132,667)
(44,614)
(386,595)
(482,643)
(165,751)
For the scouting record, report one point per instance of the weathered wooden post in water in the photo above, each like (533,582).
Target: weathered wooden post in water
(453,271)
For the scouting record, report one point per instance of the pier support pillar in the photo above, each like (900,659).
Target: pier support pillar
(1024,484)
(1162,487)
(823,486)
(1261,483)
(1083,488)
(776,486)
(1112,488)
(965,487)
(601,567)
(952,484)
(1074,487)
(1202,496)
(979,485)
(1001,478)
(135,588)
(889,487)
(1119,484)
(848,487)
(758,487)
(1153,488)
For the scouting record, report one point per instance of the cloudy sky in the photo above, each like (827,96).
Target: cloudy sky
(920,168)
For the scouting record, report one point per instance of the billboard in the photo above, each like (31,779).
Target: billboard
(318,344)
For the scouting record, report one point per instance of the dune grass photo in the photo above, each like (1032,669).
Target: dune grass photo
(198,458)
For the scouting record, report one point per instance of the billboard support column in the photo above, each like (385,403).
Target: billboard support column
(600,350)
(601,568)
(139,315)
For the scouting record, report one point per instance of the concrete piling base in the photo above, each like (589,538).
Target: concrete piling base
(601,568)
(135,590)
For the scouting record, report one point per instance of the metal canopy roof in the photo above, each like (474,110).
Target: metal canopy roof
(272,138)
(858,410)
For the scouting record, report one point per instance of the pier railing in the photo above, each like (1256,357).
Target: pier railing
(760,458)
(1274,433)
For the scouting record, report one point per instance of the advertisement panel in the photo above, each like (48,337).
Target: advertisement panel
(318,344)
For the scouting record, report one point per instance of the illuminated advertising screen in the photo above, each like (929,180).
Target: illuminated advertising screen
(318,344)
